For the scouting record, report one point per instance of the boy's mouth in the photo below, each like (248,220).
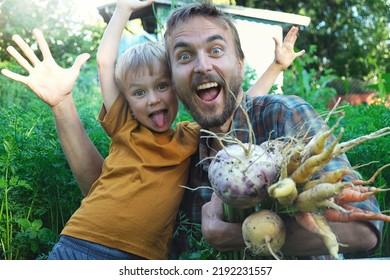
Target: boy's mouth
(159,117)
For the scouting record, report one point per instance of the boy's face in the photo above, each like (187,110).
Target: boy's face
(151,97)
(206,70)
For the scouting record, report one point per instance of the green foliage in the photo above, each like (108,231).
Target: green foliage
(57,19)
(361,120)
(347,32)
(312,84)
(32,239)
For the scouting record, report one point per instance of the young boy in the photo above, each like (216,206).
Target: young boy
(130,211)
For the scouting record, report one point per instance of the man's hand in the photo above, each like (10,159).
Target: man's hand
(219,234)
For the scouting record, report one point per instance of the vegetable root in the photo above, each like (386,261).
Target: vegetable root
(264,233)
(310,200)
(353,214)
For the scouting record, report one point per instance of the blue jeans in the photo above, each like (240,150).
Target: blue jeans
(70,248)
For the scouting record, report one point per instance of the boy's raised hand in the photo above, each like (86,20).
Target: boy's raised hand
(133,5)
(284,53)
(46,78)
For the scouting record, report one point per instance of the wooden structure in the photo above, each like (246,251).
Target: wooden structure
(256,27)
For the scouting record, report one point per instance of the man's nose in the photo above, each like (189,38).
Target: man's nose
(203,63)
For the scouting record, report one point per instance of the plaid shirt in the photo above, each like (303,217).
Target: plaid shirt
(271,116)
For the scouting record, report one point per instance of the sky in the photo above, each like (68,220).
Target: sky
(90,4)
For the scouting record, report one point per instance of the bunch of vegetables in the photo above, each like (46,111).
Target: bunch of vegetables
(258,182)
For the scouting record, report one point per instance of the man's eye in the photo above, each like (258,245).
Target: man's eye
(184,56)
(216,50)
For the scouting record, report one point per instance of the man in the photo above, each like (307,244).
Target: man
(207,65)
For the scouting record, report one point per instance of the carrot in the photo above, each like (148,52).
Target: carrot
(306,220)
(317,144)
(327,235)
(364,189)
(333,176)
(372,179)
(317,196)
(294,159)
(353,214)
(281,188)
(315,163)
(348,195)
(346,146)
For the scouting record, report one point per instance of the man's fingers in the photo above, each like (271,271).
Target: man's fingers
(14,76)
(28,52)
(19,58)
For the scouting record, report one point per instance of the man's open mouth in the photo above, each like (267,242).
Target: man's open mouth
(207,92)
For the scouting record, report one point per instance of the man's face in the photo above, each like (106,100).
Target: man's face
(206,71)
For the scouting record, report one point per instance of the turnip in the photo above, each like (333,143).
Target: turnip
(241,173)
(264,233)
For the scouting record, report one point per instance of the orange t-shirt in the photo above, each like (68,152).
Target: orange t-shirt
(133,204)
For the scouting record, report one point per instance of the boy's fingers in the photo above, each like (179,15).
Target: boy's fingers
(277,42)
(291,36)
(19,58)
(14,76)
(300,53)
(28,52)
(80,60)
(43,46)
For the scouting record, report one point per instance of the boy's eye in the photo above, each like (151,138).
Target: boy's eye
(139,93)
(162,86)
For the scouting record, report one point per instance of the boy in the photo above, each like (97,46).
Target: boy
(130,211)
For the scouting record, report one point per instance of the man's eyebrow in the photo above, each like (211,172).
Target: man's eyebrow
(215,37)
(179,45)
(182,44)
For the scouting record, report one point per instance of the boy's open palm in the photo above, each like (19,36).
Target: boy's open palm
(285,53)
(46,78)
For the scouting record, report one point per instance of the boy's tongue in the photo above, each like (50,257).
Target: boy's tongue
(208,94)
(159,118)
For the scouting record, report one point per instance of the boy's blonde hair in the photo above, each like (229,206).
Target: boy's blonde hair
(138,58)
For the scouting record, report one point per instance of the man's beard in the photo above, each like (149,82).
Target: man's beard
(212,120)
(209,119)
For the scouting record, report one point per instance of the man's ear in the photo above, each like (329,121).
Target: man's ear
(241,63)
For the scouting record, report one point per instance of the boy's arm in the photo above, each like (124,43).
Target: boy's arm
(284,56)
(109,46)
(53,85)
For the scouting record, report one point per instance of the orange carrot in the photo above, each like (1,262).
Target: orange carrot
(364,189)
(372,179)
(306,220)
(353,214)
(348,195)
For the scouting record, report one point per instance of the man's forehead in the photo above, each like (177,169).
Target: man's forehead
(194,27)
